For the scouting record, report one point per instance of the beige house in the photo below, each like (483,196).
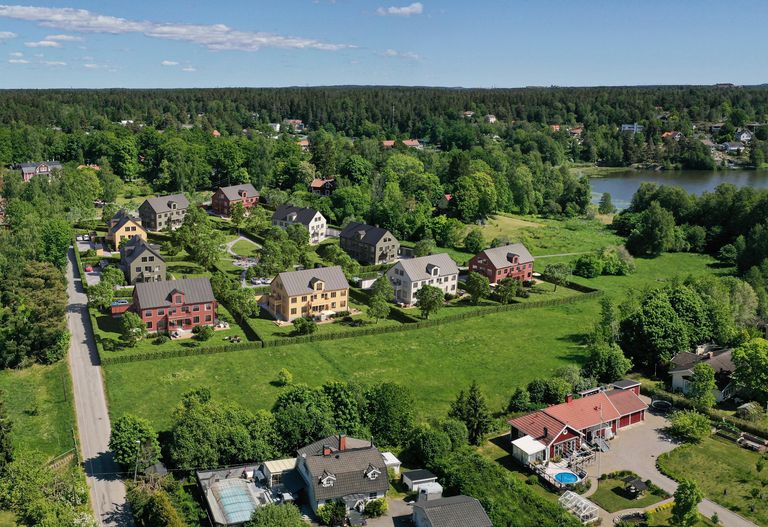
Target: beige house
(124,226)
(315,293)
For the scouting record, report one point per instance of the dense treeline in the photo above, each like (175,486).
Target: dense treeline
(729,222)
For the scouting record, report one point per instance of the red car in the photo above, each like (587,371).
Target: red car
(89,269)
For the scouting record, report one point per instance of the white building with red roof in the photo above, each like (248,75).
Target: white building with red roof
(562,429)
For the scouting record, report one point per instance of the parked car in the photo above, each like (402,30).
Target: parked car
(79,237)
(86,238)
(88,269)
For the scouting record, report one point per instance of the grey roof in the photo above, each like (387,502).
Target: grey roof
(160,203)
(123,217)
(499,255)
(52,165)
(418,268)
(456,511)
(233,192)
(303,215)
(626,383)
(731,144)
(371,234)
(349,467)
(721,361)
(139,246)
(158,294)
(419,474)
(300,282)
(332,442)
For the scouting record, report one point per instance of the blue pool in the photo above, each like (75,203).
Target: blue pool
(567,477)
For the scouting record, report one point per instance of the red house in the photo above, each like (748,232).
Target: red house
(175,304)
(503,262)
(561,429)
(225,197)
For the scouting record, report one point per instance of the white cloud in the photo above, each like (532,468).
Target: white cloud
(189,69)
(18,61)
(5,35)
(52,63)
(214,37)
(411,55)
(16,54)
(415,8)
(43,44)
(64,38)
(92,66)
(169,63)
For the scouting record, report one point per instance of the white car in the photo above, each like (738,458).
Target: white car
(79,237)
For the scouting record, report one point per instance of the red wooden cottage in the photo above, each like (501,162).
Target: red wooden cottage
(561,429)
(508,261)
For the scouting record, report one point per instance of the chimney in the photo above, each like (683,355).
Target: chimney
(327,450)
(342,442)
(569,398)
(546,431)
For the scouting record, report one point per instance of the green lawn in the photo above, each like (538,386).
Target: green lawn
(108,328)
(726,473)
(186,270)
(39,402)
(246,248)
(612,496)
(663,518)
(500,351)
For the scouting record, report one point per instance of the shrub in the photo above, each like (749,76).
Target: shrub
(203,333)
(376,508)
(588,266)
(284,377)
(690,425)
(161,339)
(304,326)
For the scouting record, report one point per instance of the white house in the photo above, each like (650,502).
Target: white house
(743,135)
(315,222)
(731,147)
(409,276)
(682,365)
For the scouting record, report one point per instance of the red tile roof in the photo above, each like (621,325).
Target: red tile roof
(626,401)
(585,412)
(534,424)
(317,183)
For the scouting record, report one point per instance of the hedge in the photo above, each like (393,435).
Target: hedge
(657,392)
(412,324)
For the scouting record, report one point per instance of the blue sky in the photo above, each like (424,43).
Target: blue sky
(472,43)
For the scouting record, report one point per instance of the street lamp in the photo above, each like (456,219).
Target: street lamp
(136,466)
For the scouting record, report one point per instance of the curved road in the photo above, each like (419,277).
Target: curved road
(106,489)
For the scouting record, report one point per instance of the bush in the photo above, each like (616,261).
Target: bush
(690,426)
(284,377)
(304,326)
(161,339)
(588,266)
(376,508)
(203,333)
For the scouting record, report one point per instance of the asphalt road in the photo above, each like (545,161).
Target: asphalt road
(106,489)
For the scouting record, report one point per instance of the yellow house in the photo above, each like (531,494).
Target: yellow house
(314,293)
(124,226)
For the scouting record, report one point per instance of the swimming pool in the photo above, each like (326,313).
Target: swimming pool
(567,477)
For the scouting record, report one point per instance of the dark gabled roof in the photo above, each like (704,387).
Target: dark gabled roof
(685,360)
(300,282)
(158,294)
(52,165)
(499,255)
(160,203)
(349,468)
(456,511)
(303,215)
(140,246)
(721,361)
(371,235)
(419,474)
(232,193)
(122,220)
(332,442)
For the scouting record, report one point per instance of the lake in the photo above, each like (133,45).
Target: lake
(622,185)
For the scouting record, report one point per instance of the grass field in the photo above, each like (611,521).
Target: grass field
(611,496)
(246,248)
(108,328)
(726,473)
(501,351)
(39,402)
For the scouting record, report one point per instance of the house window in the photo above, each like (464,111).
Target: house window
(149,325)
(207,318)
(293,299)
(196,308)
(304,298)
(207,307)
(138,269)
(293,311)
(178,299)
(161,311)
(148,313)
(196,320)
(342,304)
(333,295)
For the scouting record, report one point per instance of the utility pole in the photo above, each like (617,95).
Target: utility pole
(136,466)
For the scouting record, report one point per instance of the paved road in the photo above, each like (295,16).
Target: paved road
(106,489)
(637,449)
